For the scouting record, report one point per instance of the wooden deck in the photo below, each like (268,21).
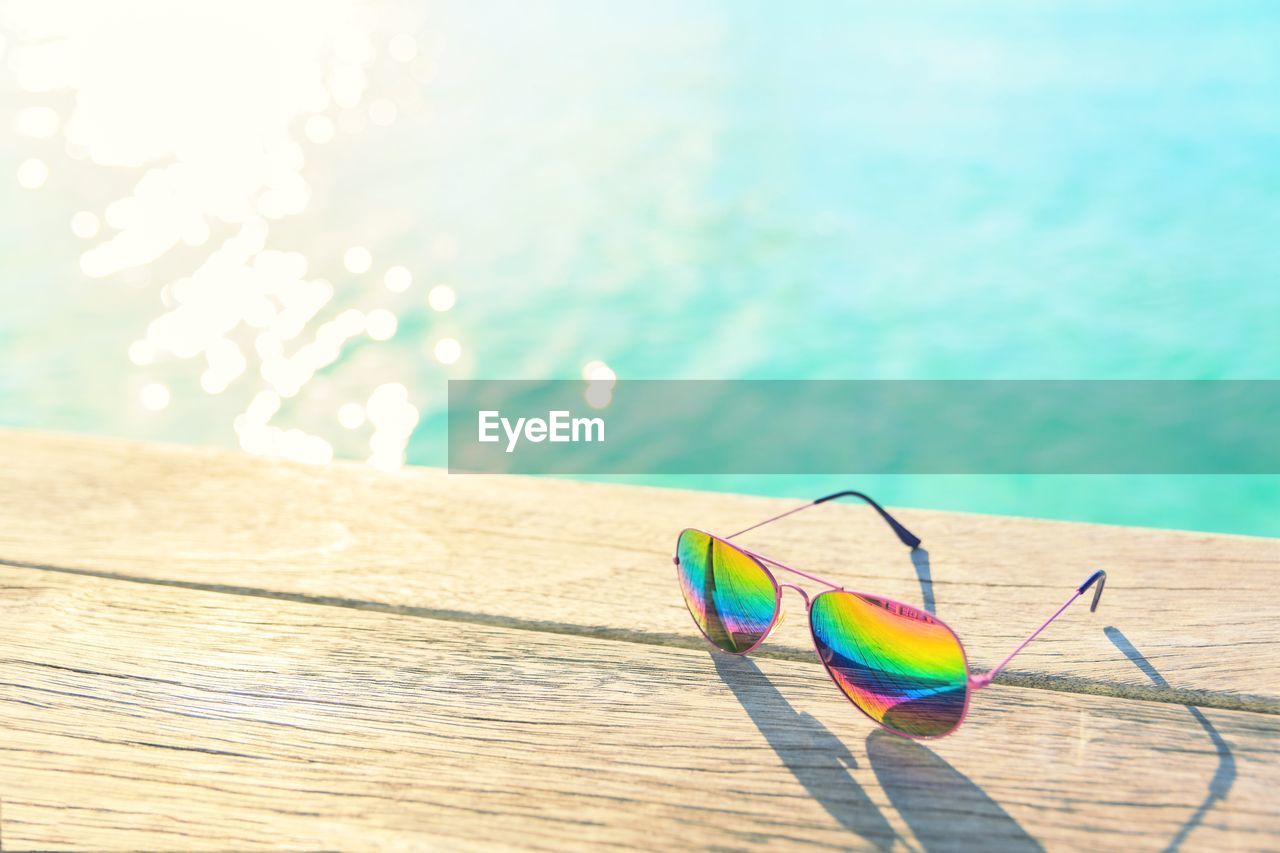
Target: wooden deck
(206,650)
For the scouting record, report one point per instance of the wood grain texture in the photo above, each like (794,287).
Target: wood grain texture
(593,559)
(138,716)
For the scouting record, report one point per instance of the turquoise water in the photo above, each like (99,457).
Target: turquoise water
(722,190)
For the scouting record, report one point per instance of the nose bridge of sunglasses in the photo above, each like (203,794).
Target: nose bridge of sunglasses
(800,590)
(782,614)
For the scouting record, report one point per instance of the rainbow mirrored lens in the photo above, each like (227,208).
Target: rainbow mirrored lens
(901,666)
(730,596)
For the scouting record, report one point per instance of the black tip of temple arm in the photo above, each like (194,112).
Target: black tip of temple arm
(908,538)
(1100,579)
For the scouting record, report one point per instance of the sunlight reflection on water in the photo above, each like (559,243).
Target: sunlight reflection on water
(205,106)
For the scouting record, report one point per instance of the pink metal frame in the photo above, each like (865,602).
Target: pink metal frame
(1097,580)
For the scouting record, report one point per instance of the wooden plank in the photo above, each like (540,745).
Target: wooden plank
(586,558)
(138,716)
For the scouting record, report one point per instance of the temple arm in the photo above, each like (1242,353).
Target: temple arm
(1098,578)
(908,538)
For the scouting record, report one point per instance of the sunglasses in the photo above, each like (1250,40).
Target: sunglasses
(899,665)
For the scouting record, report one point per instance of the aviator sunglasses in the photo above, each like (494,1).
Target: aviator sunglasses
(899,665)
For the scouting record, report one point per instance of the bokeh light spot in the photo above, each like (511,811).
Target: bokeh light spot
(32,174)
(142,353)
(441,298)
(397,279)
(351,415)
(447,350)
(154,396)
(85,225)
(357,260)
(380,324)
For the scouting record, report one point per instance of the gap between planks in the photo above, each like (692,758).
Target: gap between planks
(1009,678)
(532,550)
